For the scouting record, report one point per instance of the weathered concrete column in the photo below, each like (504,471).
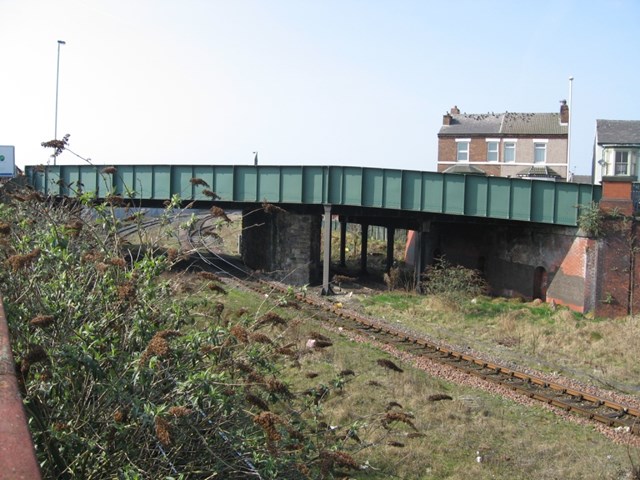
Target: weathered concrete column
(391,233)
(343,243)
(363,250)
(326,262)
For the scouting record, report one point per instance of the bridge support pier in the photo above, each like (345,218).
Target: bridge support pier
(364,247)
(391,233)
(326,258)
(283,244)
(343,242)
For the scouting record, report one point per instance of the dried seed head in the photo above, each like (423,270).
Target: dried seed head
(257,402)
(198,181)
(120,415)
(330,460)
(115,200)
(217,288)
(158,347)
(270,318)
(383,362)
(392,417)
(172,254)
(271,209)
(439,396)
(163,431)
(319,336)
(41,321)
(268,422)
(118,262)
(179,411)
(218,212)
(260,338)
(276,386)
(127,292)
(240,333)
(19,262)
(211,194)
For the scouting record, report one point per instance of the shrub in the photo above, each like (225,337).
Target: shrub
(453,281)
(117,382)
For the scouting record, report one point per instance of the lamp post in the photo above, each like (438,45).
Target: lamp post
(55,131)
(569,127)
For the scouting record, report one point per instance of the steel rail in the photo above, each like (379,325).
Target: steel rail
(570,399)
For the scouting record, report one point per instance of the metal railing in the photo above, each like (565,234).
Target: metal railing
(17,456)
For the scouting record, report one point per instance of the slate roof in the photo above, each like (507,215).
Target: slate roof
(507,123)
(618,132)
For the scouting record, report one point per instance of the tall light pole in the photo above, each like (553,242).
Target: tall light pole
(55,131)
(569,127)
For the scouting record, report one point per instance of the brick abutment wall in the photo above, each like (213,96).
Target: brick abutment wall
(284,244)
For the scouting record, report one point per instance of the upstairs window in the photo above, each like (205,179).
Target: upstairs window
(539,152)
(509,153)
(462,150)
(492,150)
(622,163)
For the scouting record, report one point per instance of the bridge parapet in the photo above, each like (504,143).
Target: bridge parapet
(431,192)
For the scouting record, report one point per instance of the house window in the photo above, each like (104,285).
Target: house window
(622,163)
(462,150)
(492,150)
(509,153)
(539,152)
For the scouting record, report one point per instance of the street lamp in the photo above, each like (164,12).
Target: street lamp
(55,131)
(569,126)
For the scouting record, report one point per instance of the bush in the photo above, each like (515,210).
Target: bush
(117,382)
(454,282)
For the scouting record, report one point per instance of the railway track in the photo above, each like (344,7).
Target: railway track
(588,405)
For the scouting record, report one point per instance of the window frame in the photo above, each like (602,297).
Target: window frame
(616,163)
(514,150)
(536,144)
(459,151)
(496,142)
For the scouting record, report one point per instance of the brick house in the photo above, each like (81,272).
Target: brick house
(527,145)
(616,150)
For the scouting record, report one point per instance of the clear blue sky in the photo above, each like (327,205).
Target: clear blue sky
(323,82)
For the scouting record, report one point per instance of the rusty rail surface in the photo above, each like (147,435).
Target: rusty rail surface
(597,409)
(17,456)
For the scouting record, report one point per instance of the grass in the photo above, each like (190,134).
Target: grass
(442,439)
(515,442)
(599,351)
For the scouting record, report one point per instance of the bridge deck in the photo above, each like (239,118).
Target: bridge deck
(409,190)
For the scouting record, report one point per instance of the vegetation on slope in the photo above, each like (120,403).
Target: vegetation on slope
(132,369)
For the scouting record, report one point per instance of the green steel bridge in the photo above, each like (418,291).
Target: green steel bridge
(401,190)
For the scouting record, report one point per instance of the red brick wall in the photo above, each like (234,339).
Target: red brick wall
(446,150)
(618,289)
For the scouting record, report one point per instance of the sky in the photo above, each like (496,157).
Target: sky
(303,82)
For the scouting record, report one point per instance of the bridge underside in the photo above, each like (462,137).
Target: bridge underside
(521,234)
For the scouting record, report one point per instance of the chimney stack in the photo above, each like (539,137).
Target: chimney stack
(455,110)
(564,112)
(446,119)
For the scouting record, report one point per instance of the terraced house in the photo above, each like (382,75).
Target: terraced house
(616,150)
(527,145)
